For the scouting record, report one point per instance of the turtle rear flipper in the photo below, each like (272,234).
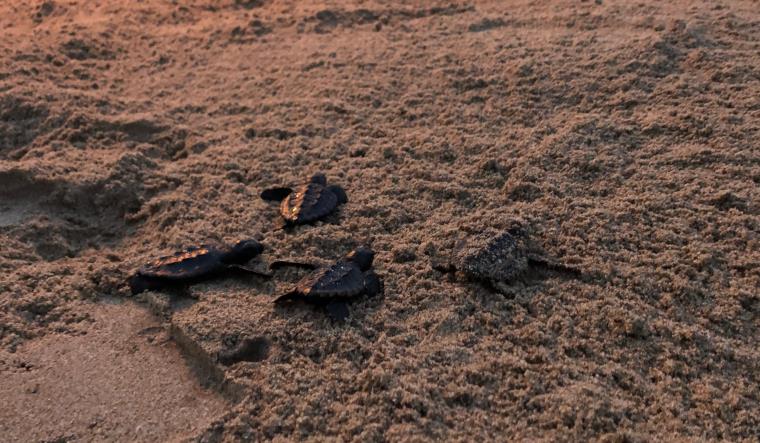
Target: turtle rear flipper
(372,284)
(275,194)
(138,284)
(338,311)
(182,291)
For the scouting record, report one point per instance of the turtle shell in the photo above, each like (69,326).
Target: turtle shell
(499,258)
(340,280)
(193,262)
(307,203)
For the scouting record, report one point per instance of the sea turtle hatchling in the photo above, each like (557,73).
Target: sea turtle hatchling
(332,286)
(306,203)
(496,260)
(195,264)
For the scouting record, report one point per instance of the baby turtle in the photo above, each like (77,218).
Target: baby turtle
(195,264)
(308,202)
(497,260)
(331,286)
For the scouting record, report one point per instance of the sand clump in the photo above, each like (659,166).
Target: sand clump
(622,135)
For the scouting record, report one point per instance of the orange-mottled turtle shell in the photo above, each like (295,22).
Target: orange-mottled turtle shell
(195,264)
(334,285)
(191,263)
(307,203)
(343,279)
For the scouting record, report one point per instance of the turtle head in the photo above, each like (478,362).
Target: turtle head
(319,178)
(243,251)
(362,256)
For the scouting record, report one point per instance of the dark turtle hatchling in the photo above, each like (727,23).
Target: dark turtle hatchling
(331,286)
(308,202)
(195,264)
(498,260)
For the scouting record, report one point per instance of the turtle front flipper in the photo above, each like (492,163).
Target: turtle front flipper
(279,264)
(246,269)
(182,291)
(137,284)
(339,192)
(275,194)
(338,311)
(372,284)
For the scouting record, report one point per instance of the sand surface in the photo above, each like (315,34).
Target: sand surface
(622,135)
(120,379)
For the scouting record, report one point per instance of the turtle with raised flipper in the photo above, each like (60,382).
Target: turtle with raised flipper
(497,260)
(195,264)
(307,203)
(332,286)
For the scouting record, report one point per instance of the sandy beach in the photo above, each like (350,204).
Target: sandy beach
(623,137)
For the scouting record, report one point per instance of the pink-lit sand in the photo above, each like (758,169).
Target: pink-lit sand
(623,135)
